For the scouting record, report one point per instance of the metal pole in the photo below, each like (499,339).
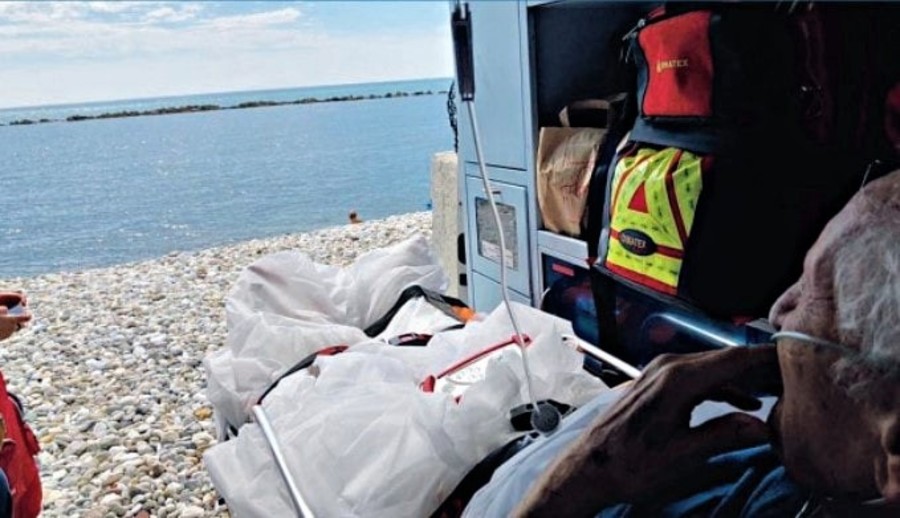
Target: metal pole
(695,329)
(303,510)
(623,366)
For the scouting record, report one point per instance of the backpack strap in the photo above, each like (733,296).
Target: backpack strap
(622,115)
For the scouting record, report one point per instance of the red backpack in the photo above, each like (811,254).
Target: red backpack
(17,456)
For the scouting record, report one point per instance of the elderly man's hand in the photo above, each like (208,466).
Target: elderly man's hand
(644,442)
(9,324)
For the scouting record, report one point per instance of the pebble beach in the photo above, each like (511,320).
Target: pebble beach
(110,370)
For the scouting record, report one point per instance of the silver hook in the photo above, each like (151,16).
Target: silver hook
(869,167)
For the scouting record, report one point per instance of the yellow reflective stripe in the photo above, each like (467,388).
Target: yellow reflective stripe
(688,185)
(659,224)
(658,200)
(662,268)
(624,170)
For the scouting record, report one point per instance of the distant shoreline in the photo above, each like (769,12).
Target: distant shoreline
(192,108)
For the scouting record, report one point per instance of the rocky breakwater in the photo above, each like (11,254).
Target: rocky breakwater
(110,370)
(194,108)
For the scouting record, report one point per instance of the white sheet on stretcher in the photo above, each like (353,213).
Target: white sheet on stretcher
(286,306)
(362,439)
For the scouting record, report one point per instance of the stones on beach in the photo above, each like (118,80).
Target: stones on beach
(110,370)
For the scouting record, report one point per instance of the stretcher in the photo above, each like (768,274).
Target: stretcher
(451,410)
(286,435)
(268,317)
(300,504)
(284,307)
(298,501)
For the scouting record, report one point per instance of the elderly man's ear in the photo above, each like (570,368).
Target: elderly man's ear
(887,472)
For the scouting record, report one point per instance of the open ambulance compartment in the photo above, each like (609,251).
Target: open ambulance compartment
(571,50)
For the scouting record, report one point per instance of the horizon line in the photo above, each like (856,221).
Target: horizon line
(221,92)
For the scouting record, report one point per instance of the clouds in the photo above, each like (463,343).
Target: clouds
(38,13)
(79,51)
(45,32)
(25,12)
(43,12)
(256,20)
(172,14)
(74,30)
(111,7)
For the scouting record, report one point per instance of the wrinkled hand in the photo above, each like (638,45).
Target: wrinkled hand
(9,324)
(644,442)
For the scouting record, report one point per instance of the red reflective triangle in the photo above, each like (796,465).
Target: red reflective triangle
(638,202)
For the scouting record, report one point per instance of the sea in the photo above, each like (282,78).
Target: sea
(93,193)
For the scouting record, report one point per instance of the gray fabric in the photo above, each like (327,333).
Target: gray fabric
(511,481)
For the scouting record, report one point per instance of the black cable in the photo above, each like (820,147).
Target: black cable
(451,114)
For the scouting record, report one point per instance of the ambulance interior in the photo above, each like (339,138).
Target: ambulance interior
(613,288)
(550,55)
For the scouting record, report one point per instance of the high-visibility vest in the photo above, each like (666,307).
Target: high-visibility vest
(654,195)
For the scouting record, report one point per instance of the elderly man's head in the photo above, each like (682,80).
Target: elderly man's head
(838,422)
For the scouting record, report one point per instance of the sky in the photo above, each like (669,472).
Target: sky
(67,52)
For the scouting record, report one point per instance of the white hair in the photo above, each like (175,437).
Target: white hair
(867,295)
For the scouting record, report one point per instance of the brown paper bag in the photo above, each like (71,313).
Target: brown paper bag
(565,160)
